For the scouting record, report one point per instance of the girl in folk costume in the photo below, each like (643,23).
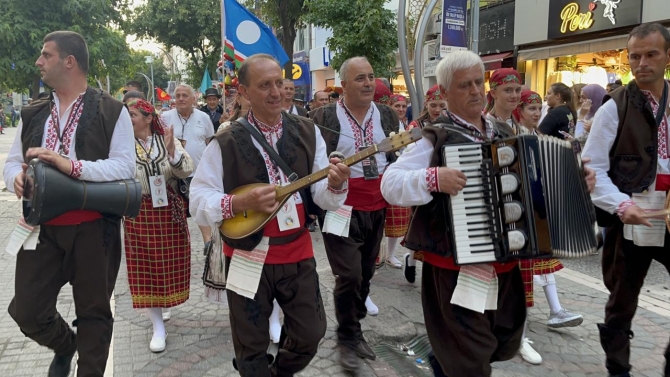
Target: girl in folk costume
(503,97)
(157,241)
(399,104)
(539,271)
(433,106)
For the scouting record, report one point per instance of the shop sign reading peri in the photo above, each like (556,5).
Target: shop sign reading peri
(570,17)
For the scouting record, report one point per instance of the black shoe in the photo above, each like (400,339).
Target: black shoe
(349,360)
(312,227)
(364,350)
(208,247)
(60,366)
(409,271)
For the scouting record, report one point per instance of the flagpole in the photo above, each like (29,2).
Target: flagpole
(223,47)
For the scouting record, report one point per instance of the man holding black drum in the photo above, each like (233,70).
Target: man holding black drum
(87,135)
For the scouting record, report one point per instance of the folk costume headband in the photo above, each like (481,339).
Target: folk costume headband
(397,98)
(500,76)
(433,94)
(528,97)
(382,93)
(146,109)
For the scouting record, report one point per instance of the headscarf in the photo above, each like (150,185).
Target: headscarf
(146,109)
(433,94)
(500,77)
(382,92)
(528,97)
(397,98)
(595,93)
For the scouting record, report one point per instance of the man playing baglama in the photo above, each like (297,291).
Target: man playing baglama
(281,266)
(88,135)
(629,148)
(289,96)
(352,258)
(467,332)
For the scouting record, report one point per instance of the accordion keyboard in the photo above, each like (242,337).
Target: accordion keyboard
(474,218)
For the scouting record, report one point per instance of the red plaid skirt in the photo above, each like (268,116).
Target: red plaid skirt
(158,254)
(530,267)
(397,221)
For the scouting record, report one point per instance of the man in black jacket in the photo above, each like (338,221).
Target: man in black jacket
(212,108)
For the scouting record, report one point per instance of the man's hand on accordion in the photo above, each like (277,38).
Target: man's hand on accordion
(450,181)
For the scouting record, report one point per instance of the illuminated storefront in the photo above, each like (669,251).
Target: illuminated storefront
(579,41)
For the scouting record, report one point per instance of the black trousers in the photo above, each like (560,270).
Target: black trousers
(296,288)
(352,260)
(465,342)
(88,257)
(624,268)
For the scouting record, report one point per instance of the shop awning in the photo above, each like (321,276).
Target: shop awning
(494,61)
(610,43)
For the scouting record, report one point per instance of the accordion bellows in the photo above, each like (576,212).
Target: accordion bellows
(525,197)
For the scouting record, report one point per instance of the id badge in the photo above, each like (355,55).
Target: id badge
(288,216)
(158,191)
(370,169)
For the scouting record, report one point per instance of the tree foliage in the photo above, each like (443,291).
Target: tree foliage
(285,16)
(192,25)
(23,26)
(360,28)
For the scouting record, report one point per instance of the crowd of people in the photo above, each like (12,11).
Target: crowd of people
(216,167)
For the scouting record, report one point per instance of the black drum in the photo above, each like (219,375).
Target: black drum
(48,193)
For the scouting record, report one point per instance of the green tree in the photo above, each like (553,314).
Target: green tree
(192,25)
(285,16)
(24,25)
(138,67)
(360,28)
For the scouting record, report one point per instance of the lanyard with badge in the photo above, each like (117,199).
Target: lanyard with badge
(157,185)
(370,169)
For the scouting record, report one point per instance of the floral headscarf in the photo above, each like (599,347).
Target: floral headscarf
(528,97)
(500,77)
(382,93)
(146,109)
(397,98)
(433,94)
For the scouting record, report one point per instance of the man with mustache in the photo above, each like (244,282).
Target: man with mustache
(361,123)
(628,145)
(467,331)
(278,264)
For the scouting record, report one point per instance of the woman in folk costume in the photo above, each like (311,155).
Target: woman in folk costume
(399,104)
(539,271)
(433,106)
(157,241)
(503,97)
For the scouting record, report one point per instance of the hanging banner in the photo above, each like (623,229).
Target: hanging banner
(454,36)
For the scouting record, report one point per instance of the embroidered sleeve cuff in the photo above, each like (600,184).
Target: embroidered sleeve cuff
(176,159)
(343,190)
(227,207)
(76,167)
(624,206)
(431,180)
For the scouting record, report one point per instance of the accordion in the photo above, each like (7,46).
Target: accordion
(525,197)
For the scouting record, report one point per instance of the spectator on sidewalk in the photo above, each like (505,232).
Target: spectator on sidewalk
(631,156)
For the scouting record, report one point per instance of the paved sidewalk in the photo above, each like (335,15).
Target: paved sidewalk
(199,340)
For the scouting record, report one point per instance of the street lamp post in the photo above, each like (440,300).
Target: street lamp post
(150,61)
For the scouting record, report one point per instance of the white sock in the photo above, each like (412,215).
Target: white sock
(411,261)
(391,245)
(552,297)
(371,307)
(525,327)
(275,324)
(156,317)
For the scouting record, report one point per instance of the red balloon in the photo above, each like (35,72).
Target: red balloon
(220,63)
(234,82)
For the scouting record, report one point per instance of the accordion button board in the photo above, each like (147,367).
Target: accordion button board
(525,197)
